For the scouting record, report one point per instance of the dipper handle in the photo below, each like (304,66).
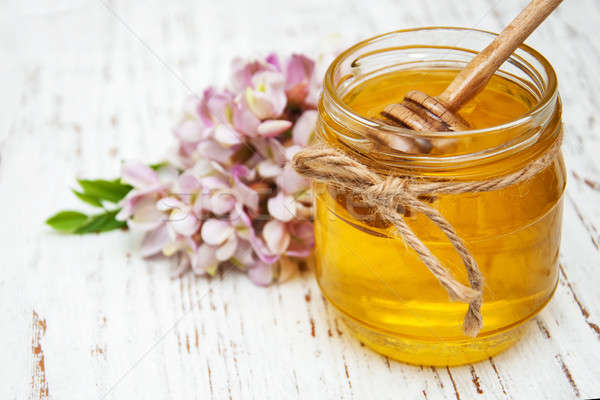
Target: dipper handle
(480,69)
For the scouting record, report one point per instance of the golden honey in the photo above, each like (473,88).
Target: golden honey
(383,291)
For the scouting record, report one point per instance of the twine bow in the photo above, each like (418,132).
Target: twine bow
(389,195)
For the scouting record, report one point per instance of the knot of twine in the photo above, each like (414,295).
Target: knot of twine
(390,195)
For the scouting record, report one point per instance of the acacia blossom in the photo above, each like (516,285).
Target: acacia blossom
(228,195)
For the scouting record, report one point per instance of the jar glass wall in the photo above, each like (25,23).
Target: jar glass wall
(378,284)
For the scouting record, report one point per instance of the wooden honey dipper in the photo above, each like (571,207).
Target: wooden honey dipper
(421,112)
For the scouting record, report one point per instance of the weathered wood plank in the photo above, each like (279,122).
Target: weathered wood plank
(91,83)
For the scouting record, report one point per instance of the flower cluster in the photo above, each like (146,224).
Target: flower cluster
(228,194)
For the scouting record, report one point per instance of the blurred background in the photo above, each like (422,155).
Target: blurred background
(115,67)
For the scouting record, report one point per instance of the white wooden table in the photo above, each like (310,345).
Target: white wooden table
(87,83)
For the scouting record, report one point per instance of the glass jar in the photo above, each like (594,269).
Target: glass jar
(380,287)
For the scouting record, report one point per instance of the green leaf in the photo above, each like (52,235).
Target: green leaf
(101,223)
(67,221)
(159,165)
(101,189)
(88,198)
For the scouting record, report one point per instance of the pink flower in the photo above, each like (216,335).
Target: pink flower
(138,207)
(276,236)
(215,106)
(292,188)
(212,150)
(230,195)
(298,75)
(191,130)
(243,71)
(220,243)
(261,273)
(273,60)
(302,238)
(216,196)
(294,238)
(273,127)
(181,218)
(224,240)
(214,127)
(201,115)
(244,119)
(266,94)
(221,191)
(154,241)
(192,127)
(225,108)
(282,207)
(178,221)
(304,128)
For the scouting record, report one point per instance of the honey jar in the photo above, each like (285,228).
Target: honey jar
(378,284)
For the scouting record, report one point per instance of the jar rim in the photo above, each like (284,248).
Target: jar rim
(548,93)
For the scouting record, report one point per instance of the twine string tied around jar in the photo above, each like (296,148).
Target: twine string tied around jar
(391,195)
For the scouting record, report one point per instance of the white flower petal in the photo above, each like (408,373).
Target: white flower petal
(226,135)
(212,182)
(244,120)
(304,127)
(273,127)
(182,266)
(282,207)
(145,216)
(243,253)
(138,175)
(245,194)
(222,202)
(215,231)
(278,151)
(205,260)
(214,151)
(168,203)
(259,104)
(202,167)
(227,249)
(154,241)
(276,236)
(184,221)
(268,169)
(261,273)
(171,248)
(268,99)
(290,181)
(291,151)
(187,184)
(191,131)
(167,174)
(126,210)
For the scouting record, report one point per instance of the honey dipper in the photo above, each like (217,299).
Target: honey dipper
(421,112)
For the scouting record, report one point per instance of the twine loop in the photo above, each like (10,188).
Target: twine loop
(389,193)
